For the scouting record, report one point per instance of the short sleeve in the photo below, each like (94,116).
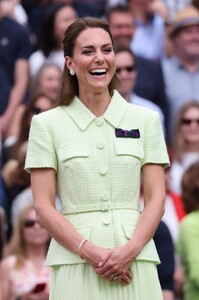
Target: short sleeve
(40,152)
(155,150)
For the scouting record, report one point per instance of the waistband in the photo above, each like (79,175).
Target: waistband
(104,207)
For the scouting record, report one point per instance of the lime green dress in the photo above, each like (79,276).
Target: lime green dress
(98,161)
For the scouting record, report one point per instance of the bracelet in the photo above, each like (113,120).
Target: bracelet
(79,249)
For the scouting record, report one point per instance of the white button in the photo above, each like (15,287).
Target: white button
(99,121)
(100,145)
(103,170)
(106,222)
(105,197)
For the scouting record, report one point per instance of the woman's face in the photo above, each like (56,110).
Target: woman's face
(50,82)
(190,126)
(64,17)
(93,60)
(34,233)
(126,72)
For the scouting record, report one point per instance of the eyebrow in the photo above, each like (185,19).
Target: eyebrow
(91,46)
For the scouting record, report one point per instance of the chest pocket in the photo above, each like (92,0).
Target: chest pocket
(129,148)
(72,151)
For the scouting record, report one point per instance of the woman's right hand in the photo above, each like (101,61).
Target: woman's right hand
(94,254)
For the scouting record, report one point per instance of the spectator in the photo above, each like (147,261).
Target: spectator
(35,106)
(186,143)
(181,72)
(46,82)
(23,269)
(56,19)
(149,83)
(188,242)
(14,76)
(126,71)
(150,30)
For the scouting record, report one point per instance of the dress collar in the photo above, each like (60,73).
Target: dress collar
(83,117)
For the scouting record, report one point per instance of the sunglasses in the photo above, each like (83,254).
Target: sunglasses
(30,223)
(128,69)
(189,121)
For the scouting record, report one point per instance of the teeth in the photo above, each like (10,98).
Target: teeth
(98,71)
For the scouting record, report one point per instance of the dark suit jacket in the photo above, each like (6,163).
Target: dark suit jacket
(165,248)
(150,84)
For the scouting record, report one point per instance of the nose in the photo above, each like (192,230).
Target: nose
(99,57)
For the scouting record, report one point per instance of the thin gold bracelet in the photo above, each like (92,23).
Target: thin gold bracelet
(79,249)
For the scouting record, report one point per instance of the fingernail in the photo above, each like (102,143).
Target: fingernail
(100,264)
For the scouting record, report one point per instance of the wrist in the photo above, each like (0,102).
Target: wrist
(80,248)
(134,248)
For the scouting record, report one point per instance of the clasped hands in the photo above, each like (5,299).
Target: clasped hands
(112,264)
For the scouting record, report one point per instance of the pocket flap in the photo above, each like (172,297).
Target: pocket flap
(128,231)
(73,150)
(129,148)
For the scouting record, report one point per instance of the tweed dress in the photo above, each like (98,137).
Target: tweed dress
(98,161)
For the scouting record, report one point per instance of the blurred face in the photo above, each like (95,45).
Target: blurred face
(186,42)
(64,17)
(190,126)
(50,82)
(122,27)
(126,72)
(34,233)
(93,60)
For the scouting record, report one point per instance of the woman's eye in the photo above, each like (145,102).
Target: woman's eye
(108,50)
(87,52)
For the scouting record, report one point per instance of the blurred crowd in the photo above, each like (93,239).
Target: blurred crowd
(157,65)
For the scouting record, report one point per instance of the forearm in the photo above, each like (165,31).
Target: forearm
(146,226)
(60,229)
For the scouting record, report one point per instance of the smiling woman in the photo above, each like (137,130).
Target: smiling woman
(94,147)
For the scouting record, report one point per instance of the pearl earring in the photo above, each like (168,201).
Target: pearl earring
(72,72)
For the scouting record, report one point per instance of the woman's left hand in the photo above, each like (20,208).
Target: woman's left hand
(118,264)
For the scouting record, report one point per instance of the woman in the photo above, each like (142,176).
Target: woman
(56,19)
(185,143)
(21,123)
(188,242)
(23,269)
(82,148)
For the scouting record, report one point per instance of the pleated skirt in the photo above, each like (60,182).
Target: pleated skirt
(80,282)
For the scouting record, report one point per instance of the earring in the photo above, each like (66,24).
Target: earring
(72,72)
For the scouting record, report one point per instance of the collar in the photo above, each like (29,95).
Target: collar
(83,117)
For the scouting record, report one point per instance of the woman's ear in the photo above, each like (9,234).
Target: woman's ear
(68,62)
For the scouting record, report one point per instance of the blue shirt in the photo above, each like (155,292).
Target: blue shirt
(14,45)
(181,86)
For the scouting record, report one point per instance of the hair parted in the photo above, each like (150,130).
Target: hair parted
(69,85)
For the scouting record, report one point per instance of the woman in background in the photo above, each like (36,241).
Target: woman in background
(23,269)
(185,143)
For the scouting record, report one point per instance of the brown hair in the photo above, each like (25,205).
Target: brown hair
(178,139)
(190,188)
(69,85)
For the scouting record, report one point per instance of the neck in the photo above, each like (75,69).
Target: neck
(194,147)
(36,253)
(97,103)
